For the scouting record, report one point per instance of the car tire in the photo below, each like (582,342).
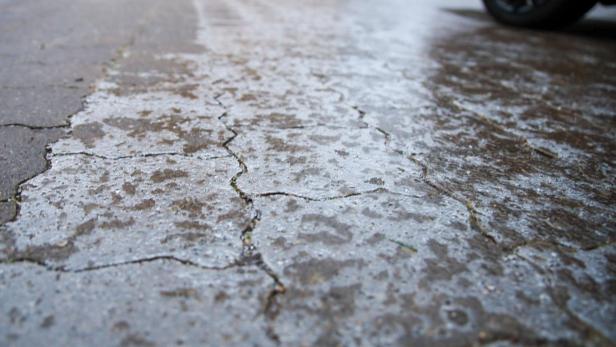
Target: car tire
(546,14)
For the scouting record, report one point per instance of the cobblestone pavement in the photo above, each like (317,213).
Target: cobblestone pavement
(313,173)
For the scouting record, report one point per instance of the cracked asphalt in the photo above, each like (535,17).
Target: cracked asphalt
(304,173)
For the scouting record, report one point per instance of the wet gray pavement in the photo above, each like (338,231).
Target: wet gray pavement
(299,173)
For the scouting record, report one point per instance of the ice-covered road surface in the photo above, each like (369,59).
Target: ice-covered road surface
(325,173)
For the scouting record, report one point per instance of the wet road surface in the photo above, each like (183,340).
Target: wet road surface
(314,173)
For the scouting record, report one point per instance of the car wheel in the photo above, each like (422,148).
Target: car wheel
(546,14)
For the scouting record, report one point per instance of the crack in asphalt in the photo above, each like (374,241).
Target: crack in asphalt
(250,255)
(539,150)
(475,222)
(473,219)
(299,127)
(135,156)
(335,197)
(37,127)
(473,215)
(386,134)
(361,113)
(63,269)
